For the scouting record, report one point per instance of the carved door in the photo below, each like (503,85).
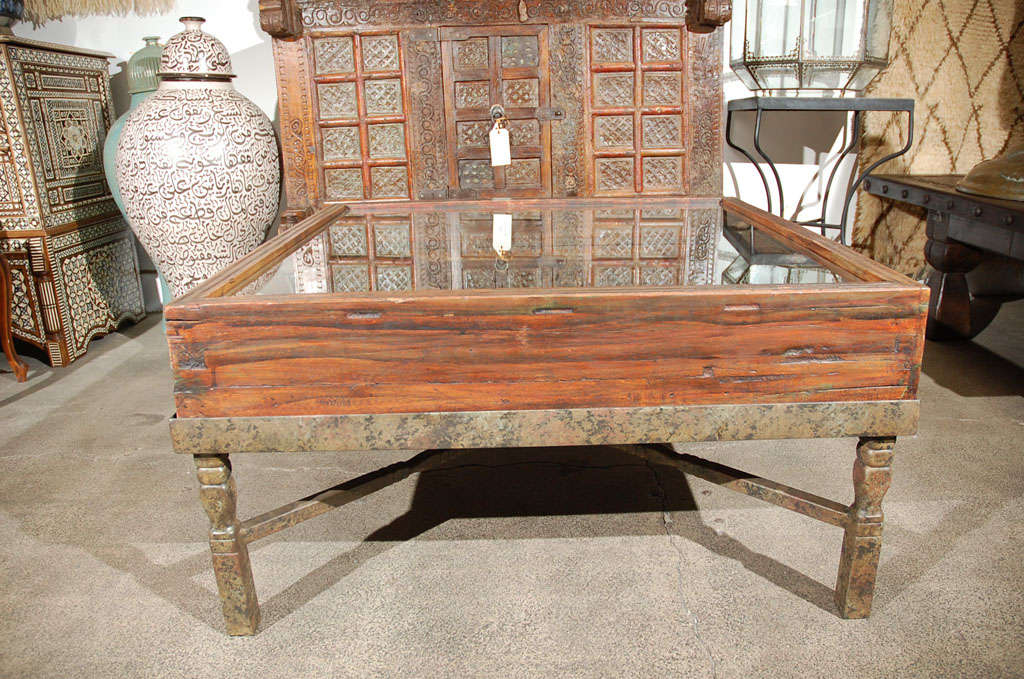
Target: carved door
(506,65)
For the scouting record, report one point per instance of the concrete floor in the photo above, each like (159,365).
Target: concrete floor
(535,563)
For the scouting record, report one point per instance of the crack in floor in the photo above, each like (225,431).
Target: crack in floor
(666,520)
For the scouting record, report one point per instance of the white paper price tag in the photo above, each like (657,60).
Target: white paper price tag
(501,147)
(501,234)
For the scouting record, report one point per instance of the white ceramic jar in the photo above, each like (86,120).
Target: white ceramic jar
(197,164)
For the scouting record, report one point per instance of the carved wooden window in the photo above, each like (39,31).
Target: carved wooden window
(506,65)
(636,110)
(372,253)
(362,110)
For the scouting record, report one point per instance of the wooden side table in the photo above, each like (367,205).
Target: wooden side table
(6,339)
(963,232)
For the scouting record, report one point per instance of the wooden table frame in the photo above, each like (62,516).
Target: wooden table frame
(213,430)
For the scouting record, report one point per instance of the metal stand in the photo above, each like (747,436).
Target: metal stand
(857,106)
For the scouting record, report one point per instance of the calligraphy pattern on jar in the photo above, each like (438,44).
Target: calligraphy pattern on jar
(198,164)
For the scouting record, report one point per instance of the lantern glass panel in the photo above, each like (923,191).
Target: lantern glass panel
(774,29)
(879,25)
(822,46)
(835,28)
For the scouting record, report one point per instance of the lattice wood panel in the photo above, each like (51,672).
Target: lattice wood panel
(362,114)
(601,248)
(506,65)
(374,253)
(636,110)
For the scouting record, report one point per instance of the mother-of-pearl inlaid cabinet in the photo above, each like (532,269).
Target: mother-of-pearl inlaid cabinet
(390,100)
(73,265)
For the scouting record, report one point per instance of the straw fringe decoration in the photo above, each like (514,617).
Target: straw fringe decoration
(41,11)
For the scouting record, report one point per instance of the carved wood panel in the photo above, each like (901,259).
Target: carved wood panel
(372,253)
(507,66)
(638,82)
(636,110)
(362,116)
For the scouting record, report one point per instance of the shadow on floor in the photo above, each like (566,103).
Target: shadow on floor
(969,369)
(520,483)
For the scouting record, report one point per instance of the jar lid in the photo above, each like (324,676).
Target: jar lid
(195,55)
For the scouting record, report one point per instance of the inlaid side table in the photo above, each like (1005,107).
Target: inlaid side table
(6,339)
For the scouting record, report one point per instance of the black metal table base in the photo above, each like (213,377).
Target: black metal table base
(857,106)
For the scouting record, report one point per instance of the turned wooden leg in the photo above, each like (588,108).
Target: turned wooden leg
(953,312)
(6,339)
(862,542)
(230,554)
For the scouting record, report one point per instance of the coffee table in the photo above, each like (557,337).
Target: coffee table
(626,322)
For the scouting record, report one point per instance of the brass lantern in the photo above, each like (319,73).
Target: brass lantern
(820,47)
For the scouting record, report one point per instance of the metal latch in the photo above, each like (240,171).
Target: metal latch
(549,113)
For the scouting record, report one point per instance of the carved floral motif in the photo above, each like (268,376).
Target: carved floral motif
(423,59)
(320,14)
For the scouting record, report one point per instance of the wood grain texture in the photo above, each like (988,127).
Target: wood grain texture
(493,351)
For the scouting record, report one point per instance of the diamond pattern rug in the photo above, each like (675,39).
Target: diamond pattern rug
(963,63)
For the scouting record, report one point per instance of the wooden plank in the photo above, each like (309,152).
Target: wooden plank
(733,299)
(781,495)
(264,258)
(422,398)
(466,351)
(835,255)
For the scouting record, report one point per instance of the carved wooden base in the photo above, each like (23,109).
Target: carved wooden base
(862,543)
(6,339)
(230,552)
(953,312)
(858,564)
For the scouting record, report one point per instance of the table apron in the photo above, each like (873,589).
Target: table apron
(554,427)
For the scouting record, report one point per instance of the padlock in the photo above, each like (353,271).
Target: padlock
(501,144)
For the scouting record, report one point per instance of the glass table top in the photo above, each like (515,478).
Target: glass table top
(626,244)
